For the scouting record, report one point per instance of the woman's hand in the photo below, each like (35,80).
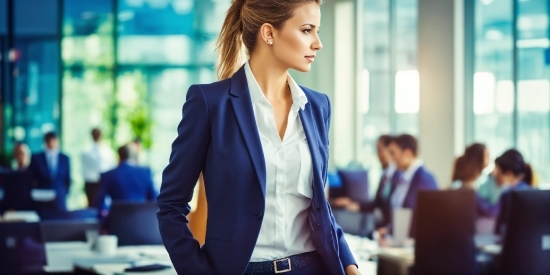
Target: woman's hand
(352,270)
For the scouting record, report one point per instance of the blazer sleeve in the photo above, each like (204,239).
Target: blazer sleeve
(346,257)
(179,178)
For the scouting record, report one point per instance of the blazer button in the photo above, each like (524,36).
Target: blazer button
(318,208)
(260,215)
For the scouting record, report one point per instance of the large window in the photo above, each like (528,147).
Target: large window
(511,94)
(127,66)
(29,44)
(390,93)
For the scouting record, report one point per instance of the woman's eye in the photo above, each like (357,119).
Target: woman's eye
(307,31)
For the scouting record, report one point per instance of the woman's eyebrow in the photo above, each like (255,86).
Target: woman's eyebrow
(308,24)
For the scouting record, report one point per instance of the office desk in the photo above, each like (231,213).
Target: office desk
(398,261)
(65,257)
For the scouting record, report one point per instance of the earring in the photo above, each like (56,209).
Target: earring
(270,42)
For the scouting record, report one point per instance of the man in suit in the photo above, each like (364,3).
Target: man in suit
(389,177)
(127,182)
(51,170)
(413,177)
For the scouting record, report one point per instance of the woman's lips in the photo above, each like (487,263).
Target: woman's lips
(310,57)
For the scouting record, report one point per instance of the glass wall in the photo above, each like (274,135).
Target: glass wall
(511,94)
(390,93)
(127,66)
(30,70)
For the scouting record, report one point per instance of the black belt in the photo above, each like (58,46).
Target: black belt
(284,264)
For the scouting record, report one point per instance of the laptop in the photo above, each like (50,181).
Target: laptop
(401,224)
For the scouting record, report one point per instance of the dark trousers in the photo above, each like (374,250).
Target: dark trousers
(91,188)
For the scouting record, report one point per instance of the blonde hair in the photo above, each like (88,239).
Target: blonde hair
(241,26)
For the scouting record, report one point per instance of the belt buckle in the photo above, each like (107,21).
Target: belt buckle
(282,270)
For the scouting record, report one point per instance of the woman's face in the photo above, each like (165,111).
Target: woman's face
(297,42)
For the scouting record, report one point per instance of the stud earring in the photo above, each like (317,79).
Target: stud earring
(270,42)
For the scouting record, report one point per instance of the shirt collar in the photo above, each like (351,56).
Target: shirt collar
(256,94)
(409,173)
(52,152)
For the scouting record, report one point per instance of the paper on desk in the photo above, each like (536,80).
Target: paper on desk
(43,195)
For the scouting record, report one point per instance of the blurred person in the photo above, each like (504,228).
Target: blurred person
(412,179)
(261,143)
(471,164)
(389,177)
(95,160)
(136,151)
(465,173)
(126,182)
(512,173)
(21,157)
(51,170)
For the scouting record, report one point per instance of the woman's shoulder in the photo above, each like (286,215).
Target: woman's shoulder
(316,97)
(215,86)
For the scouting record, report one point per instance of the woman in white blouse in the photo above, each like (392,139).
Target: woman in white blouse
(261,142)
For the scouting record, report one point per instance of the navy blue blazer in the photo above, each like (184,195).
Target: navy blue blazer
(218,136)
(41,178)
(126,182)
(422,180)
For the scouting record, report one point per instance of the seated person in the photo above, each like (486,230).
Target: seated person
(414,177)
(21,157)
(512,172)
(127,182)
(465,174)
(387,180)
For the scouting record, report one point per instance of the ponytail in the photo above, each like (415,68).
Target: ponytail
(230,42)
(241,26)
(528,175)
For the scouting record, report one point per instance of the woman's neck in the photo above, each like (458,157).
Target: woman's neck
(271,78)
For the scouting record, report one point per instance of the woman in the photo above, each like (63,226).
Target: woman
(261,142)
(469,167)
(513,173)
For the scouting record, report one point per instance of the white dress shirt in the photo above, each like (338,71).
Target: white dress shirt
(52,157)
(96,160)
(289,177)
(401,190)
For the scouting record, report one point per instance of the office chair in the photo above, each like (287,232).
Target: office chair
(526,244)
(67,231)
(21,248)
(134,223)
(445,228)
(17,191)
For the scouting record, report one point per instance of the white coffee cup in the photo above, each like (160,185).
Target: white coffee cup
(106,244)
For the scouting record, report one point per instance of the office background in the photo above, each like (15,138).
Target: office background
(481,72)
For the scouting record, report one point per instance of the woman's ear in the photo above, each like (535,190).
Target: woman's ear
(266,33)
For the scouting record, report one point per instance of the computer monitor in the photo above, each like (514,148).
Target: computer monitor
(134,223)
(526,243)
(21,248)
(356,184)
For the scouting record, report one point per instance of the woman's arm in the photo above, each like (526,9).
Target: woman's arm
(346,257)
(178,181)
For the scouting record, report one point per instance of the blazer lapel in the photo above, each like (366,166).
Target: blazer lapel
(306,116)
(242,106)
